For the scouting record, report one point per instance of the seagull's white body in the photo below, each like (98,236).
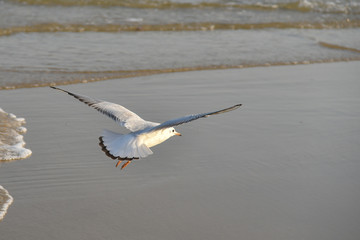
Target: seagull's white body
(143,135)
(156,137)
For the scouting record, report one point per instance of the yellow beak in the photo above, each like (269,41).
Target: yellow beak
(179,134)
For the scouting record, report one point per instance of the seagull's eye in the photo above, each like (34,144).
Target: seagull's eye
(173,130)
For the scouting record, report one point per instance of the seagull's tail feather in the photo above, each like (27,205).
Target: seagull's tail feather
(123,146)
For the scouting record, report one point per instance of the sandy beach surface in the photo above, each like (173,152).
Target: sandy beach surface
(284,166)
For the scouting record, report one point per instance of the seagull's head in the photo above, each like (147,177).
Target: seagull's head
(173,132)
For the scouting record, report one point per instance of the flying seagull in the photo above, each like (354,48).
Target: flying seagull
(144,134)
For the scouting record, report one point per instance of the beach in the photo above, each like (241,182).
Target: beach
(283,166)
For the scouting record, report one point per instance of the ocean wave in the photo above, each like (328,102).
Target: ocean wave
(338,47)
(300,5)
(95,76)
(5,202)
(11,138)
(207,26)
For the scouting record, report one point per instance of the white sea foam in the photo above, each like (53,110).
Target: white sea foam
(134,19)
(328,6)
(11,141)
(5,201)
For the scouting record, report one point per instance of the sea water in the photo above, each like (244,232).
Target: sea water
(45,42)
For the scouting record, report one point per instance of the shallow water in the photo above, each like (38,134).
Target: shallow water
(80,57)
(285,165)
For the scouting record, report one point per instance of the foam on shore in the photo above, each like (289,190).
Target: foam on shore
(5,201)
(11,138)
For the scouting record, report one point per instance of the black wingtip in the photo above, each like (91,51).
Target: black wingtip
(70,93)
(56,88)
(236,106)
(229,109)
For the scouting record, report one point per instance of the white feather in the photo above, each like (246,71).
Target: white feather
(125,145)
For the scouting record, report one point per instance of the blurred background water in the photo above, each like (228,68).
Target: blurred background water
(64,41)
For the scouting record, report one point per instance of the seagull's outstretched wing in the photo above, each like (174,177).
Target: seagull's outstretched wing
(189,118)
(118,113)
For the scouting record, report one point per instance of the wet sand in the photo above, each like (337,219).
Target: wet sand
(284,166)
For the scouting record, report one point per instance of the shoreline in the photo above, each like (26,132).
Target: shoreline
(5,201)
(197,26)
(121,74)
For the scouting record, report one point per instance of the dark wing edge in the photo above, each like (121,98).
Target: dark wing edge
(223,110)
(107,152)
(189,118)
(90,102)
(118,113)
(87,100)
